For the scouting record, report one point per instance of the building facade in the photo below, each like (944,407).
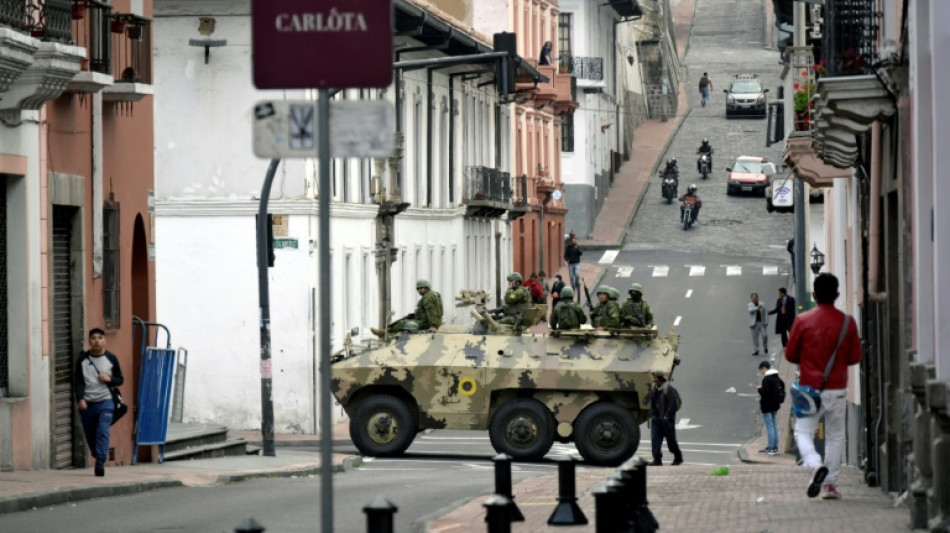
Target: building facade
(75,231)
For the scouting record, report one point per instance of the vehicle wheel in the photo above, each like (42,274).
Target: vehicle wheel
(728,191)
(606,434)
(522,428)
(382,426)
(686,221)
(669,200)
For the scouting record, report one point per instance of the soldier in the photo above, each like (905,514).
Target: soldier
(636,312)
(517,299)
(428,314)
(607,314)
(567,314)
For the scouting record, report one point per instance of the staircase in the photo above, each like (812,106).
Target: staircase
(203,441)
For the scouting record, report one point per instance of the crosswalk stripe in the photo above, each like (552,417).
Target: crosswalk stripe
(624,271)
(661,271)
(697,270)
(733,270)
(770,270)
(608,257)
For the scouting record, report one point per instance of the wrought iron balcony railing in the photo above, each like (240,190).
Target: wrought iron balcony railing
(13,14)
(585,68)
(49,20)
(131,49)
(850,37)
(483,184)
(91,27)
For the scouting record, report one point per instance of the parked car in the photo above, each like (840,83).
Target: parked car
(746,96)
(750,174)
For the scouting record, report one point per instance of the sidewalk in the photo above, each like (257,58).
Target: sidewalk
(25,490)
(752,498)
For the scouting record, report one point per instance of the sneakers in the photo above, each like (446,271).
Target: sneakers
(100,470)
(378,332)
(656,463)
(816,480)
(755,352)
(773,452)
(829,492)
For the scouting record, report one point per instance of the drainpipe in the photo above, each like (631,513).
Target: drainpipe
(874,232)
(430,94)
(97,195)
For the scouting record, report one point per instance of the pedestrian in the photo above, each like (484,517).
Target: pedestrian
(705,85)
(607,313)
(534,287)
(635,311)
(567,313)
(758,324)
(545,286)
(824,342)
(572,256)
(545,58)
(791,252)
(785,311)
(427,316)
(567,238)
(96,371)
(557,290)
(771,396)
(664,403)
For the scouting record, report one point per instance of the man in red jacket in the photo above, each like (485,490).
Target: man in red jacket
(811,343)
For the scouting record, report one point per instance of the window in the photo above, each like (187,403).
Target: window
(564,42)
(110,264)
(567,133)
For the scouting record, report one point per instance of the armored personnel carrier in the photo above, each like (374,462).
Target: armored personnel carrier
(528,390)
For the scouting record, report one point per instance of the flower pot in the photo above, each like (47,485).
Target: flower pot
(134,32)
(118,25)
(78,11)
(84,65)
(802,120)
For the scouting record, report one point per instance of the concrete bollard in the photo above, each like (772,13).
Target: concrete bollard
(379,515)
(567,512)
(249,525)
(503,484)
(498,514)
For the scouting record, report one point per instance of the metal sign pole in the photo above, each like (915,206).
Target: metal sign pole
(267,391)
(323,244)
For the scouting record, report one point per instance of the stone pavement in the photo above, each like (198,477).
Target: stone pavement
(752,498)
(42,488)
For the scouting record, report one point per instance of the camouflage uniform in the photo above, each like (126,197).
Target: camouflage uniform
(428,312)
(636,314)
(516,301)
(607,315)
(567,315)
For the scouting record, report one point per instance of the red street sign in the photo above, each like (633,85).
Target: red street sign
(323,44)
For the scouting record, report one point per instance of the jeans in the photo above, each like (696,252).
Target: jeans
(833,406)
(574,270)
(705,93)
(771,430)
(660,428)
(758,330)
(96,420)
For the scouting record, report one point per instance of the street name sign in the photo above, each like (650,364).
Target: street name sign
(322,44)
(286,129)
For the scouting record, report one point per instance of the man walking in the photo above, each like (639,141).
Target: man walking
(785,311)
(824,342)
(705,85)
(572,255)
(96,371)
(758,324)
(771,396)
(664,403)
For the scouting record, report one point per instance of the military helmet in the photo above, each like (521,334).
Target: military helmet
(411,326)
(567,292)
(423,283)
(515,276)
(609,291)
(636,287)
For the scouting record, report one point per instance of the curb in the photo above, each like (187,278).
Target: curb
(349,463)
(58,497)
(310,443)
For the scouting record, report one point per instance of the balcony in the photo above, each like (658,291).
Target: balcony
(849,46)
(800,155)
(487,192)
(131,59)
(565,89)
(91,23)
(522,193)
(16,51)
(589,71)
(546,91)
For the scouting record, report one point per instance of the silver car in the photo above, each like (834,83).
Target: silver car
(745,96)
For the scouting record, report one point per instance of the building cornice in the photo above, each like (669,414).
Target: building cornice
(54,65)
(846,108)
(247,207)
(16,56)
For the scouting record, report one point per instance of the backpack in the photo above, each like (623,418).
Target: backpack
(703,82)
(781,390)
(679,401)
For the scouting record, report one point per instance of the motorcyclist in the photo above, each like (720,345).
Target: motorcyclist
(692,198)
(671,166)
(707,149)
(676,182)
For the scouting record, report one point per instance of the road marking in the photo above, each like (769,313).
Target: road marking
(779,246)
(624,271)
(661,271)
(722,445)
(770,270)
(731,389)
(608,257)
(683,423)
(697,270)
(733,270)
(677,321)
(747,394)
(689,293)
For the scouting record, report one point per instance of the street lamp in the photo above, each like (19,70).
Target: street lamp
(817,259)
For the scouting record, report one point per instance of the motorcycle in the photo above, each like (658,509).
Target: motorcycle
(686,213)
(703,164)
(669,186)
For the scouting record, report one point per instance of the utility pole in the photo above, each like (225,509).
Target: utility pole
(263,291)
(800,199)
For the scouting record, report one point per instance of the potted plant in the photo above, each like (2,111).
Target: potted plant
(803,95)
(134,32)
(78,10)
(118,25)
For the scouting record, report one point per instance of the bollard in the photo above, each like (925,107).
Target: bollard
(606,519)
(625,509)
(503,484)
(567,512)
(643,519)
(379,515)
(249,525)
(498,515)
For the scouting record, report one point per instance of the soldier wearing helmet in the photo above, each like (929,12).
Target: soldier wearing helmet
(567,314)
(517,299)
(607,313)
(635,311)
(427,317)
(692,198)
